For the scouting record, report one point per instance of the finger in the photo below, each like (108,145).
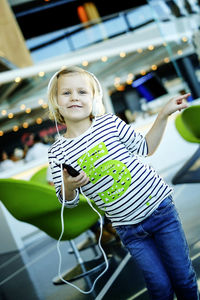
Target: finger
(85,178)
(80,177)
(65,173)
(183,96)
(83,182)
(182,105)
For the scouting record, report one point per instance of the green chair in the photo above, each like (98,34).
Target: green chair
(40,176)
(37,204)
(188,125)
(191,120)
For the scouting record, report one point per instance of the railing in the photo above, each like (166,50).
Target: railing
(92,32)
(98,30)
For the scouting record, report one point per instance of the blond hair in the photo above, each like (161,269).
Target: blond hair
(53,90)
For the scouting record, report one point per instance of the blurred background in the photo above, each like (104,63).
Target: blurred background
(143,53)
(140,51)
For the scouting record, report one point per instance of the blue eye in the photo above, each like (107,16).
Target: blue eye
(66,93)
(83,92)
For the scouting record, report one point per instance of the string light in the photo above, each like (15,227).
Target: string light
(15,128)
(184,39)
(122,54)
(41,74)
(166,60)
(18,79)
(104,58)
(120,87)
(39,121)
(44,105)
(28,110)
(3,112)
(25,125)
(117,80)
(10,115)
(130,78)
(23,106)
(40,101)
(85,63)
(129,81)
(143,72)
(154,67)
(150,47)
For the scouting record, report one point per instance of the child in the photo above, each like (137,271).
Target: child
(105,150)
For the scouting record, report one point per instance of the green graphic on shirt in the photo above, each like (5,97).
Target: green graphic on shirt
(114,168)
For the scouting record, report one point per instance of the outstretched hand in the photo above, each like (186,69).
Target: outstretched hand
(154,135)
(175,104)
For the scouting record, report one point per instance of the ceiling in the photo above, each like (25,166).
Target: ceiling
(27,99)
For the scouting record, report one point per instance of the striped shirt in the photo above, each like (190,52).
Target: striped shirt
(120,184)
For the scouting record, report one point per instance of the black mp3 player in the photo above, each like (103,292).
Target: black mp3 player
(70,170)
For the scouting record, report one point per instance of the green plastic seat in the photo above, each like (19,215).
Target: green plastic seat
(188,125)
(37,204)
(184,131)
(40,176)
(191,120)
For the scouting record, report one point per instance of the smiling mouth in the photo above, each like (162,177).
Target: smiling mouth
(74,106)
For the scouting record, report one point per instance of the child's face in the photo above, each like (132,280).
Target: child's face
(75,96)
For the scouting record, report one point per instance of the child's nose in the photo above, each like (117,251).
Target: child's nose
(74,95)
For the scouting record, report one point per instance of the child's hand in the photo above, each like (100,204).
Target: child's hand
(73,183)
(176,103)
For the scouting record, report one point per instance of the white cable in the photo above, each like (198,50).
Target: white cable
(57,127)
(62,231)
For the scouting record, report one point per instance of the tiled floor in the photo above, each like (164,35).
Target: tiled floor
(28,274)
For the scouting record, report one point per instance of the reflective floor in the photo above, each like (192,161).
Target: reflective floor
(28,274)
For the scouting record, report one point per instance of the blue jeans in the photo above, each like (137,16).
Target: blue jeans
(159,247)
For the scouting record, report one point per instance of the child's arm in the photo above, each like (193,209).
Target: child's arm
(154,135)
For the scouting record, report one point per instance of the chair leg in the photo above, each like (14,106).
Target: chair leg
(82,269)
(93,246)
(190,172)
(81,263)
(88,243)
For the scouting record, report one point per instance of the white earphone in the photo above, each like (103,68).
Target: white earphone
(97,101)
(95,108)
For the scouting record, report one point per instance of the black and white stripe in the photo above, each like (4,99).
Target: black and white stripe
(147,188)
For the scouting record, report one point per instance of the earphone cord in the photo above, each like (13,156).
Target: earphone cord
(62,231)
